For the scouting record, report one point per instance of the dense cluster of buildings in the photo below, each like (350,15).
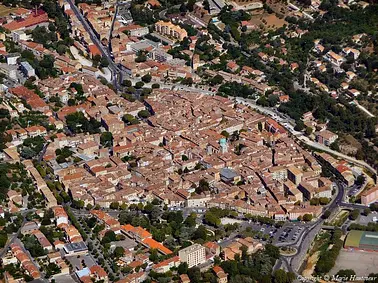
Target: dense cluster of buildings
(56,252)
(249,162)
(182,135)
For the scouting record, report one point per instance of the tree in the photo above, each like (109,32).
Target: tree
(367,211)
(91,222)
(345,274)
(33,246)
(299,126)
(154,86)
(109,236)
(225,134)
(144,114)
(280,276)
(335,146)
(187,81)
(190,5)
(106,139)
(146,78)
(183,8)
(61,49)
(130,119)
(326,214)
(118,252)
(212,219)
(127,83)
(206,5)
(139,85)
(216,80)
(182,268)
(314,201)
(190,221)
(141,57)
(307,217)
(104,62)
(154,256)
(194,274)
(353,215)
(272,251)
(114,205)
(273,100)
(200,233)
(324,201)
(28,153)
(3,238)
(308,131)
(360,180)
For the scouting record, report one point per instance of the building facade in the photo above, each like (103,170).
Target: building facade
(193,255)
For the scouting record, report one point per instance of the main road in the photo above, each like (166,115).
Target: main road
(116,72)
(302,245)
(15,235)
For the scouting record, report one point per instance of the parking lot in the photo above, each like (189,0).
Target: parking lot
(290,232)
(77,261)
(364,220)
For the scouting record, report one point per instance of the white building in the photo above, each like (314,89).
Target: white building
(193,255)
(10,71)
(27,69)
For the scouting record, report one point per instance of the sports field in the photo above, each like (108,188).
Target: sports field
(363,263)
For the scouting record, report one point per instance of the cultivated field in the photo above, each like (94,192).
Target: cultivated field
(269,21)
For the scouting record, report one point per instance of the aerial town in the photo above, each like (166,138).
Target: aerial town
(188,141)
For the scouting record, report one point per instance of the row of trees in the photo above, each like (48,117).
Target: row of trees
(328,257)
(371,226)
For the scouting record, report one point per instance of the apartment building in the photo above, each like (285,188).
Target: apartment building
(295,175)
(171,30)
(136,30)
(193,255)
(326,137)
(369,196)
(9,71)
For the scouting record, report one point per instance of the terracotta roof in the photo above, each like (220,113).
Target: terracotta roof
(151,243)
(28,22)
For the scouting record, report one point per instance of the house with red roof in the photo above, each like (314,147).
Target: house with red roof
(31,98)
(220,274)
(93,51)
(166,265)
(232,66)
(35,19)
